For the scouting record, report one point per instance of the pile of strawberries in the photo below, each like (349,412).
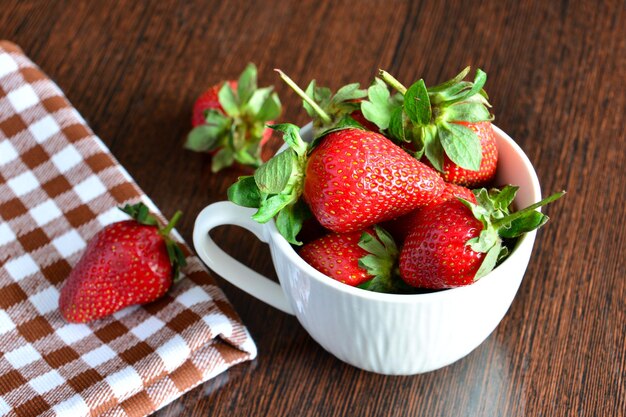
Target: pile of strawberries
(387,197)
(392,185)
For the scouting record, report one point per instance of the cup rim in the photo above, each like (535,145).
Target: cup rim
(526,240)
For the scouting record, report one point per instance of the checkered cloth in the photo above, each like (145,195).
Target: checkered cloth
(59,185)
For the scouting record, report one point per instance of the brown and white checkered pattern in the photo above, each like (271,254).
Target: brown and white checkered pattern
(59,185)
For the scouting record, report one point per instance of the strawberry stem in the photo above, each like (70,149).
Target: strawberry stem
(392,81)
(322,114)
(518,214)
(167,229)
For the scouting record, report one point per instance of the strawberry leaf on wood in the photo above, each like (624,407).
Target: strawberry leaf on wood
(235,116)
(247,83)
(270,109)
(228,100)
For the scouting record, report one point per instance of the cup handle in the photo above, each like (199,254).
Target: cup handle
(233,271)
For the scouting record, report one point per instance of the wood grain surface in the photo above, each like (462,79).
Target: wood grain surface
(557,76)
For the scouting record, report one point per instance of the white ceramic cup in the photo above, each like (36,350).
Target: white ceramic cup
(384,333)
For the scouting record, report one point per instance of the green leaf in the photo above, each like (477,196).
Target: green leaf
(484,199)
(387,241)
(379,108)
(271,206)
(417,104)
(467,112)
(433,149)
(290,219)
(477,210)
(519,226)
(140,213)
(258,98)
(485,241)
(489,262)
(217,118)
(245,192)
(271,109)
(349,92)
(372,245)
(396,125)
(178,261)
(227,99)
(503,199)
(461,145)
(321,95)
(223,158)
(291,136)
(203,138)
(243,156)
(479,82)
(247,83)
(272,177)
(450,83)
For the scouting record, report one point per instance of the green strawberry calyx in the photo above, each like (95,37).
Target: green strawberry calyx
(141,214)
(492,209)
(381,262)
(276,186)
(235,134)
(329,112)
(427,117)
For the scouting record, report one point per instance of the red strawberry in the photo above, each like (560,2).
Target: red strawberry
(367,259)
(399,228)
(351,180)
(128,262)
(456,243)
(448,125)
(229,121)
(355,179)
(337,256)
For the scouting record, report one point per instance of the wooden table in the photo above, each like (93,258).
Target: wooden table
(556,80)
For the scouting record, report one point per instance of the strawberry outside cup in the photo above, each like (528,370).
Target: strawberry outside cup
(392,334)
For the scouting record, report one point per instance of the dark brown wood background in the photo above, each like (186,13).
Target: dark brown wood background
(557,76)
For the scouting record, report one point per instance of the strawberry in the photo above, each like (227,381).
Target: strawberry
(229,121)
(457,242)
(128,262)
(448,125)
(399,228)
(351,179)
(356,178)
(367,259)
